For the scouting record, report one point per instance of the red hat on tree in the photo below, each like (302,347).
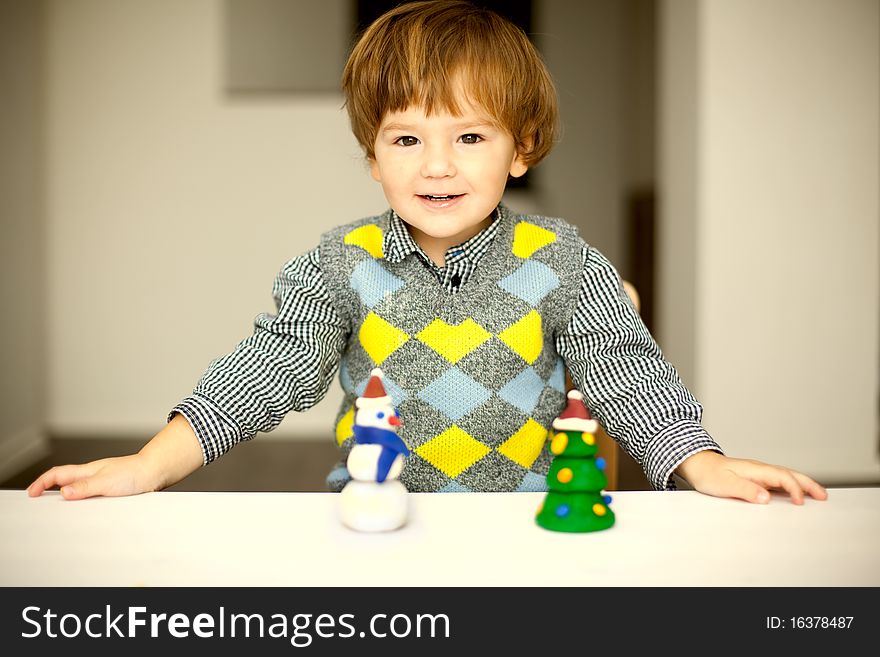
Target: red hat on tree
(575,417)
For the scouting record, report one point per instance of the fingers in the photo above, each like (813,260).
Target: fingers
(779,478)
(751,481)
(792,482)
(813,488)
(60,475)
(746,489)
(83,488)
(116,476)
(76,481)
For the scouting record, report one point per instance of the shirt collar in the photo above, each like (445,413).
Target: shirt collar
(398,243)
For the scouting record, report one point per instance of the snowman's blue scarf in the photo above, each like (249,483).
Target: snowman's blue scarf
(391,443)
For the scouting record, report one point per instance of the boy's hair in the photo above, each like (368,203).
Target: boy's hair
(414,53)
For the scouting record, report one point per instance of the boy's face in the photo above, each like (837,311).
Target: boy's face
(443,174)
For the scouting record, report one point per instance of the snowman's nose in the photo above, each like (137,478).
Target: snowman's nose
(394,421)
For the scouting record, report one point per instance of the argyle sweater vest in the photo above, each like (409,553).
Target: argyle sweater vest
(474,374)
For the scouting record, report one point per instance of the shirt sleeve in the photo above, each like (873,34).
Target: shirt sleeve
(287,364)
(627,384)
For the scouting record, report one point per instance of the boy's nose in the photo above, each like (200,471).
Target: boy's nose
(437,163)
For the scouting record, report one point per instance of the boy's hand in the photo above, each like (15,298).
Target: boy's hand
(714,474)
(171,455)
(122,475)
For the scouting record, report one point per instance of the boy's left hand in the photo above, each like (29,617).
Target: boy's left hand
(715,474)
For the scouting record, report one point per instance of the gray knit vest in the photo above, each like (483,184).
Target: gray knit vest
(475,374)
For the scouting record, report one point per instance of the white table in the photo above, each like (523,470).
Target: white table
(295,539)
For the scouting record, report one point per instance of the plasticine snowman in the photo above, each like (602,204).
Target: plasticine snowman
(375,500)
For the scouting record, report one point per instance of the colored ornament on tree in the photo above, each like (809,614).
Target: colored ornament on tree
(576,501)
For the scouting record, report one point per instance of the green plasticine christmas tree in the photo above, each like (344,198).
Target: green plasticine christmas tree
(576,501)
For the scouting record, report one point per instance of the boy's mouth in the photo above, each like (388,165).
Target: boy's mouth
(440,202)
(446,197)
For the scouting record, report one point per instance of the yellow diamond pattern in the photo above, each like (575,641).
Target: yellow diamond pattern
(453,451)
(453,342)
(344,428)
(528,238)
(525,337)
(379,338)
(525,445)
(369,238)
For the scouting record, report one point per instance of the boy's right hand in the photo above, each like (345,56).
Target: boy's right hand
(171,455)
(117,476)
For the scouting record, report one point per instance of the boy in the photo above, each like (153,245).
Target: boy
(472,312)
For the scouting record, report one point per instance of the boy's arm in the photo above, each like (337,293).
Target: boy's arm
(642,403)
(627,384)
(171,455)
(287,364)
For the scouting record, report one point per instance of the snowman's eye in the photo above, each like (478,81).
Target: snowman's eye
(380,415)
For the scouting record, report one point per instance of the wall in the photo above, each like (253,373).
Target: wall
(171,207)
(22,438)
(770,229)
(581,180)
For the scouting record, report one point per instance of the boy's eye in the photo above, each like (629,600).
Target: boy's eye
(471,139)
(406,141)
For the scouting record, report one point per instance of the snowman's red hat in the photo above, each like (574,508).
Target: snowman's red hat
(575,417)
(374,394)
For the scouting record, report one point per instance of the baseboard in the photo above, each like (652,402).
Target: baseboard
(289,431)
(21,450)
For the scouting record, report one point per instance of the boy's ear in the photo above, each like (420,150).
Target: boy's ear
(374,169)
(518,167)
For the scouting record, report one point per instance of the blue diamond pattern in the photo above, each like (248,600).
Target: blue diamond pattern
(345,377)
(523,391)
(532,483)
(338,476)
(455,394)
(531,282)
(373,282)
(455,487)
(394,391)
(557,379)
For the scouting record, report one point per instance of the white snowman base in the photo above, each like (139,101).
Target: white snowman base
(368,506)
